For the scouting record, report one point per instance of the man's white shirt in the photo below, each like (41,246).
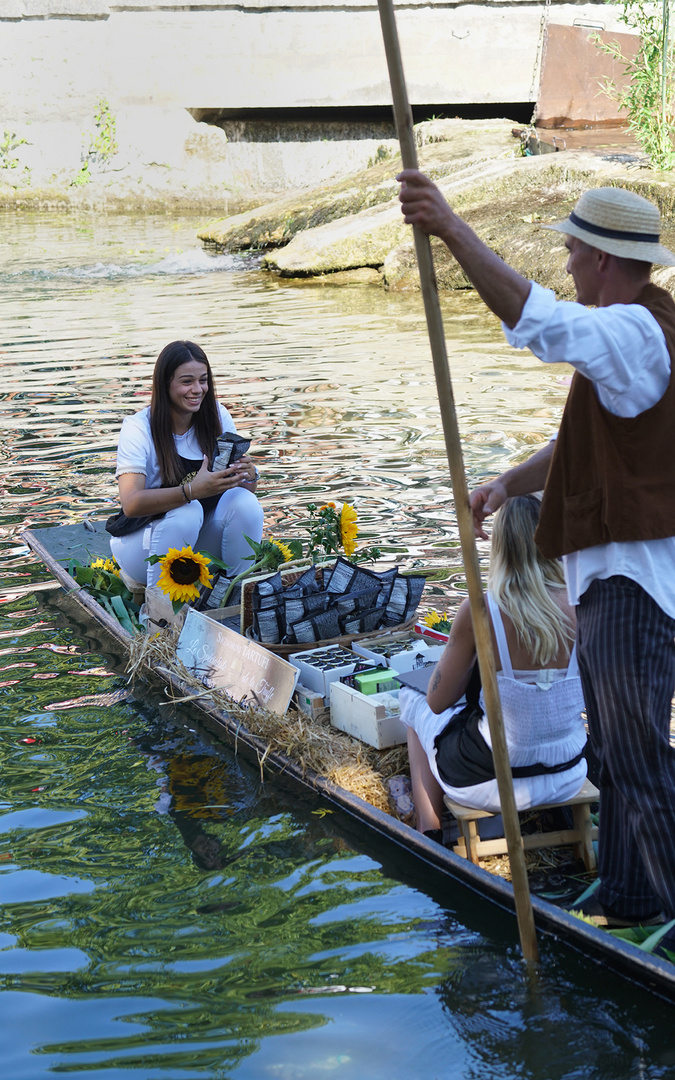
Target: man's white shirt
(622,350)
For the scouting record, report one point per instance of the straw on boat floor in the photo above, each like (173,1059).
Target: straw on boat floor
(312,744)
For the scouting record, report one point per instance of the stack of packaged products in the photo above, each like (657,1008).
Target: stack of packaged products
(349,600)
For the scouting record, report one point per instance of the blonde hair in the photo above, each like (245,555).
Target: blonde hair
(520,577)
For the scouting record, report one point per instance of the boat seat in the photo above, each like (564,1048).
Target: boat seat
(136,588)
(470,845)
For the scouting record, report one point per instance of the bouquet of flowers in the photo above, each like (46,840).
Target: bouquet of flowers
(331,529)
(331,532)
(102,579)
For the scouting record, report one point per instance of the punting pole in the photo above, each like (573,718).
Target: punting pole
(479,616)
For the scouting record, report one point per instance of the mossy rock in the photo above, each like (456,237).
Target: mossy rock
(445,147)
(337,229)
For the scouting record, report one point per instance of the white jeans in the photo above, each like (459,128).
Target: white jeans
(221,532)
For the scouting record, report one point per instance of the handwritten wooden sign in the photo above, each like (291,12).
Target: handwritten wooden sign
(222,658)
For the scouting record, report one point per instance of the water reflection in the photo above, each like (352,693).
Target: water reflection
(163,912)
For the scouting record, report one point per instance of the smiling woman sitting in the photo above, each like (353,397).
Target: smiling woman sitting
(169,496)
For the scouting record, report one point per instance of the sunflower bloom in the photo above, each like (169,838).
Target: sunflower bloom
(283,548)
(348,528)
(182,573)
(440,622)
(106,564)
(327,506)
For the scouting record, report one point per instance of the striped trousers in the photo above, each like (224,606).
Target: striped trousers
(627,663)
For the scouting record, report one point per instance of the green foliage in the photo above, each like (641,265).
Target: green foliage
(648,98)
(8,144)
(267,555)
(83,177)
(103,145)
(383,153)
(102,142)
(109,591)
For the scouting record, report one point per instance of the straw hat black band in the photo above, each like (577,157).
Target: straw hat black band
(613,234)
(619,222)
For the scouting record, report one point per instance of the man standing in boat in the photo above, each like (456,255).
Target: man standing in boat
(608,507)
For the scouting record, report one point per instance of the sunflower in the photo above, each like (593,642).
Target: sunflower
(283,548)
(106,564)
(348,529)
(182,573)
(327,506)
(435,620)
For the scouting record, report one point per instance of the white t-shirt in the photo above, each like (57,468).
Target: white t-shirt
(136,451)
(622,350)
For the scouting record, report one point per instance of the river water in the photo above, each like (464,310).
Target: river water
(164,913)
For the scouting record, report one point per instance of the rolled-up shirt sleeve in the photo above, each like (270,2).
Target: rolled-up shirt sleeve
(620,348)
(132,448)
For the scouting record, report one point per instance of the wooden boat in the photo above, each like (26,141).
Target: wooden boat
(57,546)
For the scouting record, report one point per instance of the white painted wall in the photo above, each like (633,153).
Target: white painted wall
(152,60)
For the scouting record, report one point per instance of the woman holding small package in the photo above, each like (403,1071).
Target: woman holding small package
(533,629)
(170,498)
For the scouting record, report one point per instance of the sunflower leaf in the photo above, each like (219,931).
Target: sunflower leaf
(119,607)
(213,559)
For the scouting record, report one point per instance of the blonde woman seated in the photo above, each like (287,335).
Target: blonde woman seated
(533,628)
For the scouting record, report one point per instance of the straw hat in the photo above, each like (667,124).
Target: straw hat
(618,222)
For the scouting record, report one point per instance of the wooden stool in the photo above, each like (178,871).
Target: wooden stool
(136,588)
(470,845)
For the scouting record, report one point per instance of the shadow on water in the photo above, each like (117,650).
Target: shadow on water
(163,912)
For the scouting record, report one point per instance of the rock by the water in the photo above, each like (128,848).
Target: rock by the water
(356,226)
(445,146)
(359,240)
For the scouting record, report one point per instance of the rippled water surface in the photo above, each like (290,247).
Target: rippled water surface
(163,912)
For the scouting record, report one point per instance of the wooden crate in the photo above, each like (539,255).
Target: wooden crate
(366,717)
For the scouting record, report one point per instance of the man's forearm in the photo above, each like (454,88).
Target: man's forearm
(501,287)
(531,474)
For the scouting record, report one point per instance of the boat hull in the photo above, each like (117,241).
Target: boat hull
(52,547)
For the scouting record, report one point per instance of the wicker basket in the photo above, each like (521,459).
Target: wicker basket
(344,639)
(288,577)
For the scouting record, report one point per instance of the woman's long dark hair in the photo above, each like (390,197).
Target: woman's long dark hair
(206,423)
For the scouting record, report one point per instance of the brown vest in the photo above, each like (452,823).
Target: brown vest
(612,478)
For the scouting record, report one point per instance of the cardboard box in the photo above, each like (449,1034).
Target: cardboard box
(320,667)
(372,718)
(406,650)
(376,682)
(159,611)
(308,701)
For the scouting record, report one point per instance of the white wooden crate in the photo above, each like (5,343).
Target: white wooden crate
(367,717)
